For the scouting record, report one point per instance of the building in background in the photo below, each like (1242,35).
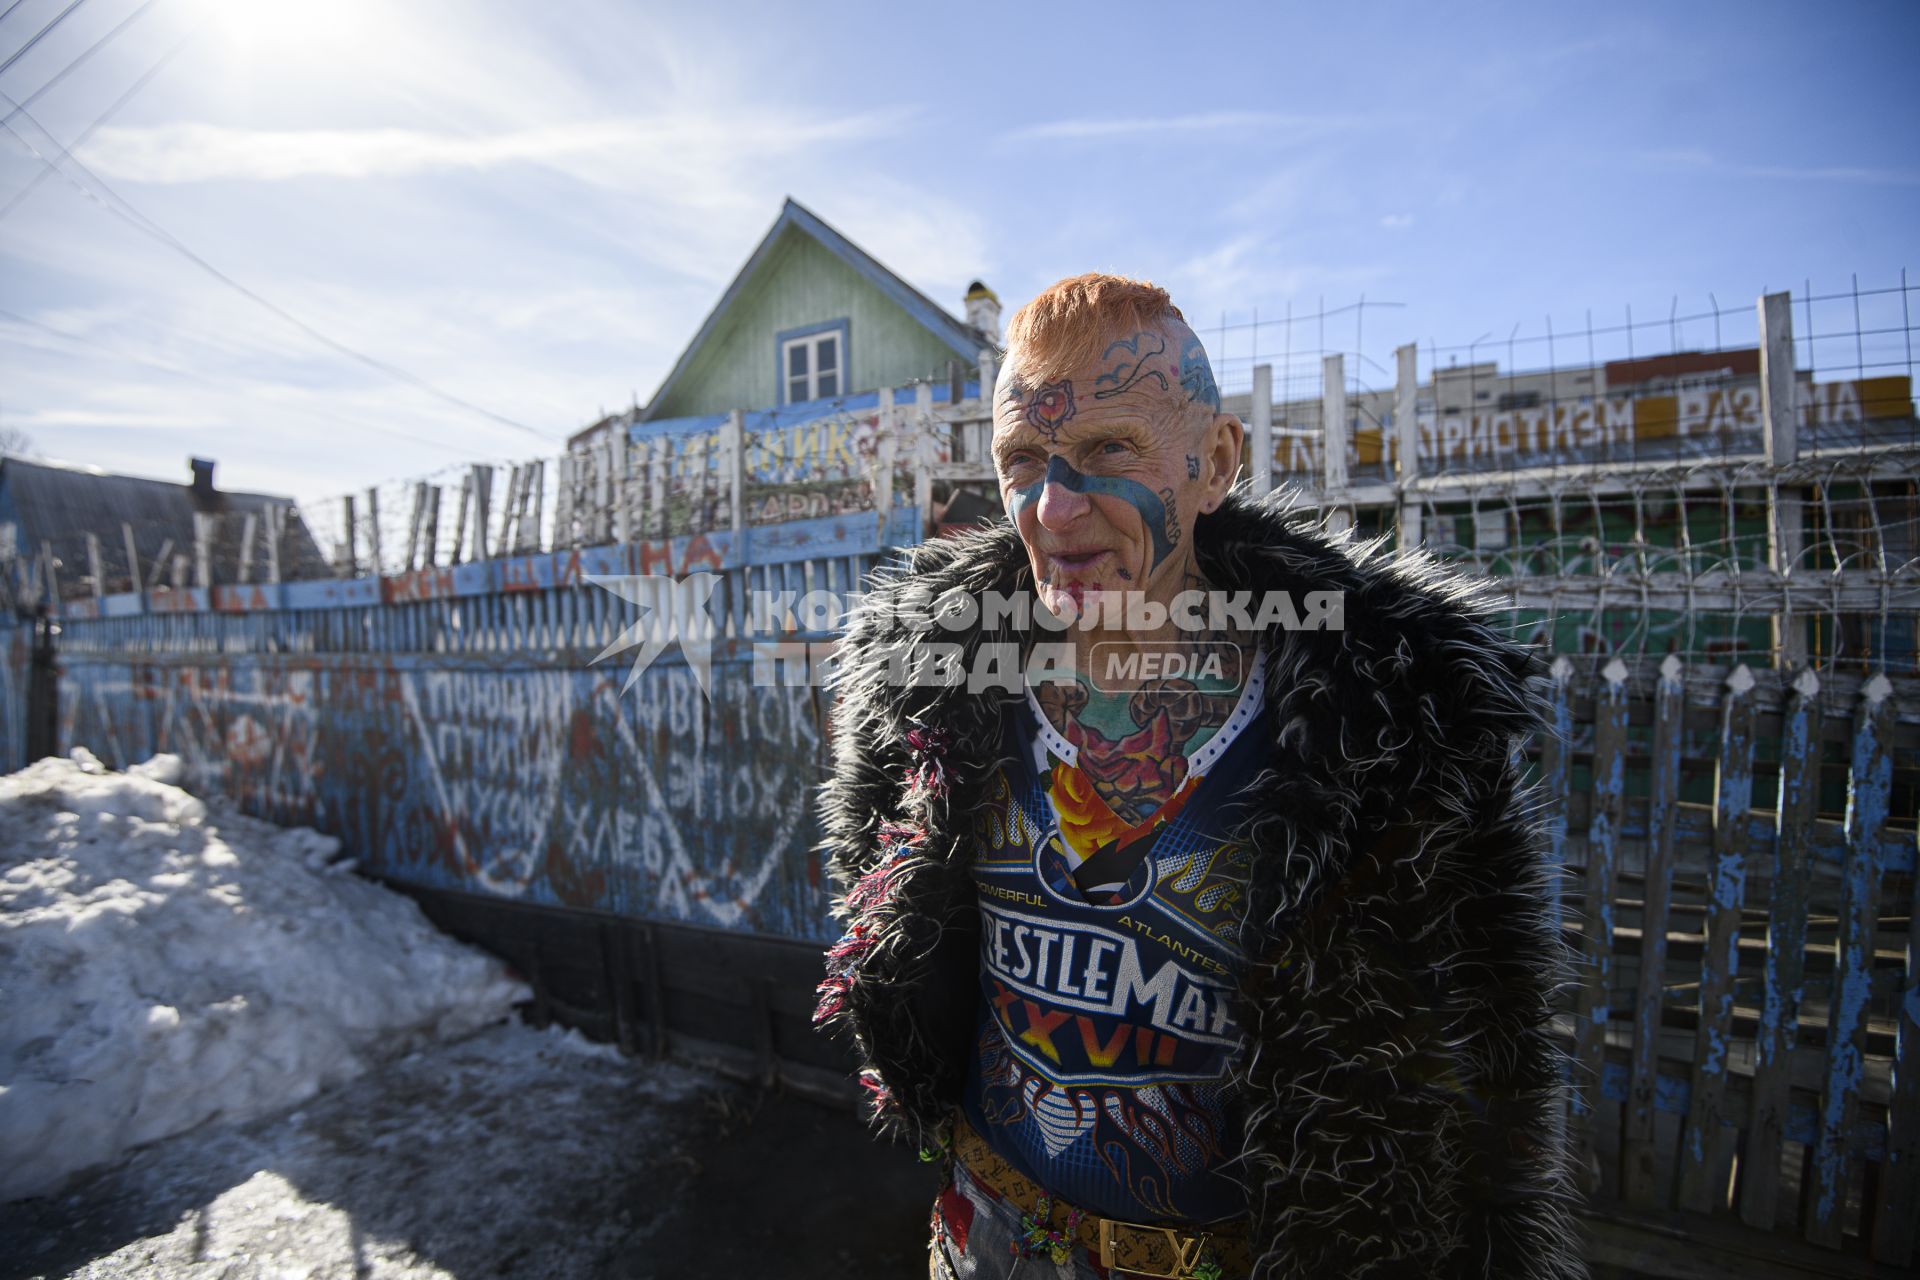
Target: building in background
(1593,482)
(814,317)
(73,533)
(820,384)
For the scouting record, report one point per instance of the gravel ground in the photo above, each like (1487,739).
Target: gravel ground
(512,1153)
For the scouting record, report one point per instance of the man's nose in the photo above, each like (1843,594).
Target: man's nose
(1059,505)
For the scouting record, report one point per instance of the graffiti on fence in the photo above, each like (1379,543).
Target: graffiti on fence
(543,784)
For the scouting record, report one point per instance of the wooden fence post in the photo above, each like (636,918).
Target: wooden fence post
(697,473)
(1260,448)
(1707,1139)
(884,448)
(482,508)
(980,441)
(93,566)
(1593,1000)
(276,538)
(203,526)
(133,561)
(1780,427)
(413,526)
(1893,1216)
(538,480)
(1643,1173)
(352,540)
(614,488)
(925,452)
(1869,787)
(503,540)
(1333,442)
(431,540)
(249,526)
(460,518)
(1795,805)
(659,521)
(1406,429)
(373,531)
(737,470)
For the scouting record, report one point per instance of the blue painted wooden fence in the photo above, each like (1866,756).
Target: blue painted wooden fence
(1739,875)
(454,726)
(1737,848)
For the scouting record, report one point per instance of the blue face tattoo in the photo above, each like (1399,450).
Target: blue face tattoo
(1149,504)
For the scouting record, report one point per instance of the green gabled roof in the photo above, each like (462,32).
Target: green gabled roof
(962,340)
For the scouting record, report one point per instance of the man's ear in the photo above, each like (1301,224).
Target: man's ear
(1220,447)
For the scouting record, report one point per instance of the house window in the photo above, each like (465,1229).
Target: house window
(813,365)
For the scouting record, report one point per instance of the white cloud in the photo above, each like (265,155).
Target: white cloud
(1706,161)
(38,420)
(1396,221)
(1263,122)
(607,150)
(935,242)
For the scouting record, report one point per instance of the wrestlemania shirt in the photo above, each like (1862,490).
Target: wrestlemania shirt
(1105,1029)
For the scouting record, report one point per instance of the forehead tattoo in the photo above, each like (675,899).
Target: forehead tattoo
(1049,409)
(1133,367)
(1196,374)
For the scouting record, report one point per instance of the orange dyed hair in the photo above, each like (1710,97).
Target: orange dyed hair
(1069,324)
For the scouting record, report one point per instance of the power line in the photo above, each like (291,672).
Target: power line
(90,50)
(10,8)
(102,118)
(21,52)
(84,341)
(125,211)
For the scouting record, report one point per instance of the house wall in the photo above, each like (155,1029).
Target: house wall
(801,283)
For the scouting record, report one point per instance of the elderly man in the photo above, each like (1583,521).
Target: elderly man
(1199,953)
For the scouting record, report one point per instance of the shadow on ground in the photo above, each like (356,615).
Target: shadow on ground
(796,1191)
(505,1155)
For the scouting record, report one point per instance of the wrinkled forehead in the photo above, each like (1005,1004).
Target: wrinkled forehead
(1155,372)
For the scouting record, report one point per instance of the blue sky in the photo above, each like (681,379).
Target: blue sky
(532,207)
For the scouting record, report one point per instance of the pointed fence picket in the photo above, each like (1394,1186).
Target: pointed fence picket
(1742,1033)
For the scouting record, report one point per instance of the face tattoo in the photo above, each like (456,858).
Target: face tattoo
(1141,498)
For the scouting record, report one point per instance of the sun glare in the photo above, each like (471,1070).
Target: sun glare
(268,31)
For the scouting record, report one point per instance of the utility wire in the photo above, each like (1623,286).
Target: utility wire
(125,211)
(21,52)
(91,49)
(66,152)
(9,9)
(84,341)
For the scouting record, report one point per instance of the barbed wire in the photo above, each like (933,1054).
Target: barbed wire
(1621,493)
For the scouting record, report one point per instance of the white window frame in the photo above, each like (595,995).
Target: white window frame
(810,380)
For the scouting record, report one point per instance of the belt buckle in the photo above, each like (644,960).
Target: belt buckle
(1186,1257)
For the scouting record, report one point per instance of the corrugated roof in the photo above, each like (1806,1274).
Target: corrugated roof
(60,505)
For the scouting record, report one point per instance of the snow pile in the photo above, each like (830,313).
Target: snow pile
(159,968)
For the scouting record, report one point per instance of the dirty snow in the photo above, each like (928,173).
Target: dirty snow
(512,1152)
(162,965)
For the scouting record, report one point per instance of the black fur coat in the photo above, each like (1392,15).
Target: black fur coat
(1402,1096)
